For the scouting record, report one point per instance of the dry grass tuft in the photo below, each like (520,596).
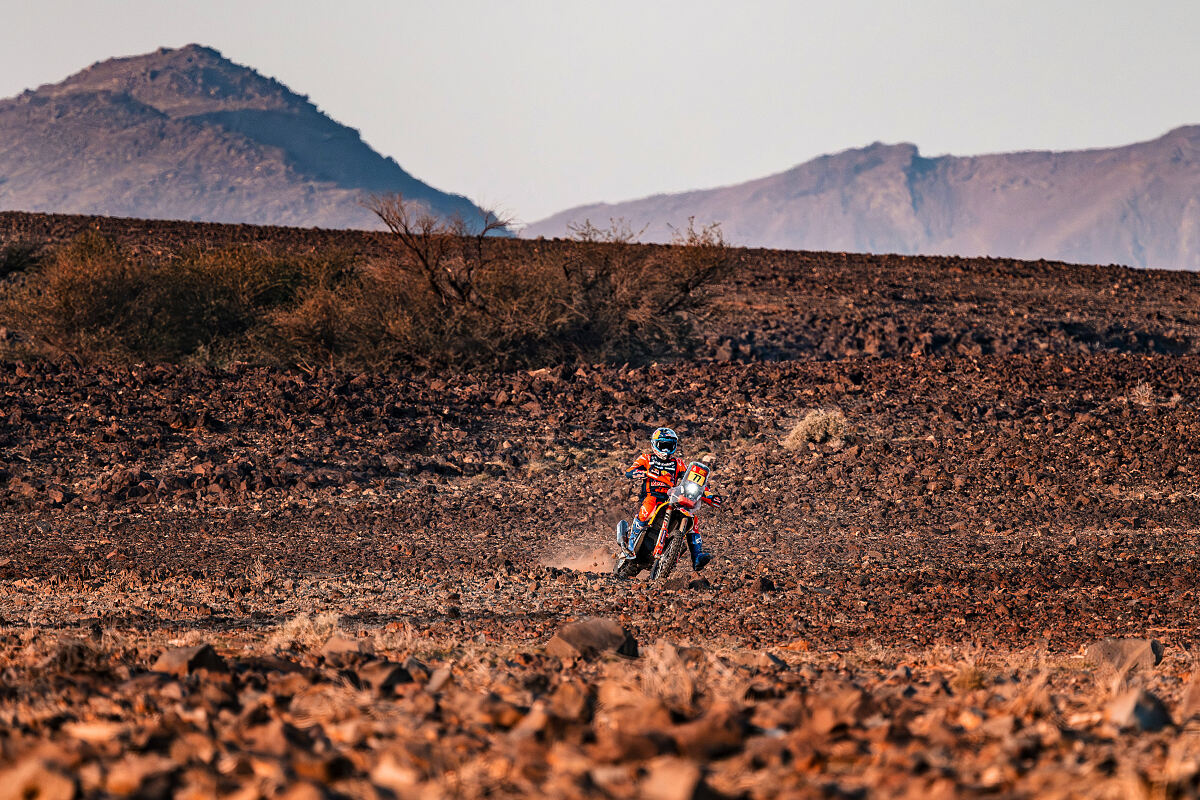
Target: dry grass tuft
(666,677)
(190,638)
(1142,395)
(258,573)
(968,678)
(303,632)
(402,637)
(1036,698)
(818,426)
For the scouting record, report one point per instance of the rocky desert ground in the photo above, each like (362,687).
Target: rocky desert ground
(957,556)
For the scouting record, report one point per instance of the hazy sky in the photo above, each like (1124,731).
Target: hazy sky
(538,106)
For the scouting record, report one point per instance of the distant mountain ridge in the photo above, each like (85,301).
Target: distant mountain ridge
(1137,205)
(188,134)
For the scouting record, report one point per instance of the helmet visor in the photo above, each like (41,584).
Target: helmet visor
(665,446)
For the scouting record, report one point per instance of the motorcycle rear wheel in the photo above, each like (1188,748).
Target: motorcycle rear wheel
(626,567)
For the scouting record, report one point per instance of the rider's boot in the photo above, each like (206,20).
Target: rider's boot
(634,533)
(700,558)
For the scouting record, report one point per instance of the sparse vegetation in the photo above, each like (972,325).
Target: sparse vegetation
(95,301)
(452,293)
(258,574)
(818,426)
(448,294)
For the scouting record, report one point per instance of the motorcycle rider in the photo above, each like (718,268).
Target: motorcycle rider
(659,470)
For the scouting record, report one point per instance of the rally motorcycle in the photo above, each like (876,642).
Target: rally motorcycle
(664,538)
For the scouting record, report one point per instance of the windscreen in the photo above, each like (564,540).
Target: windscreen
(693,480)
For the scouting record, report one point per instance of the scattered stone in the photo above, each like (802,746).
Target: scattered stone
(34,779)
(570,701)
(768,660)
(1138,708)
(1189,707)
(440,679)
(133,772)
(340,649)
(1125,654)
(183,661)
(417,669)
(590,637)
(383,675)
(670,778)
(719,731)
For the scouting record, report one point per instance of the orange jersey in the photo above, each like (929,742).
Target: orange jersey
(660,474)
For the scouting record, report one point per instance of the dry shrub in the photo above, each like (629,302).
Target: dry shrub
(72,656)
(1142,395)
(84,298)
(94,300)
(69,655)
(473,300)
(221,299)
(258,573)
(449,294)
(817,427)
(303,632)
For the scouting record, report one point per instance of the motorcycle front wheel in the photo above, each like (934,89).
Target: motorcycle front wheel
(661,570)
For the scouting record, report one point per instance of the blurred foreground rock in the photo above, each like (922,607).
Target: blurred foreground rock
(590,637)
(1125,655)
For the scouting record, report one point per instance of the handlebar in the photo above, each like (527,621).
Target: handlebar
(641,475)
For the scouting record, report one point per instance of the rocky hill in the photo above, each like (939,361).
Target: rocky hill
(188,134)
(1137,205)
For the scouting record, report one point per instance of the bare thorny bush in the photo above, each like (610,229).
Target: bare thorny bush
(599,296)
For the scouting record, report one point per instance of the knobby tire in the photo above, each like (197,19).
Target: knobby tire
(666,562)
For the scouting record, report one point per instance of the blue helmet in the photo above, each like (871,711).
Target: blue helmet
(664,441)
